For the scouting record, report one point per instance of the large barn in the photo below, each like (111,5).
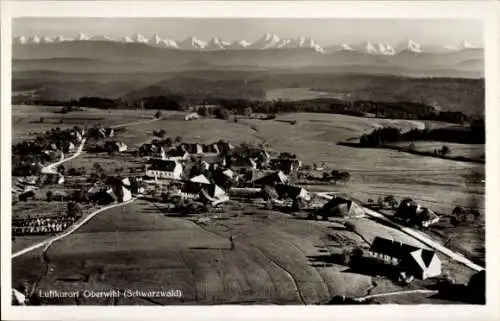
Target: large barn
(421,263)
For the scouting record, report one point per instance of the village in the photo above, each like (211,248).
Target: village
(197,179)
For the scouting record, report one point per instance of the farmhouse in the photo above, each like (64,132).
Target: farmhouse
(271,179)
(213,194)
(411,212)
(69,147)
(239,163)
(120,190)
(116,146)
(286,165)
(176,154)
(293,192)
(420,263)
(160,169)
(51,178)
(210,149)
(341,207)
(223,178)
(191,116)
(224,147)
(120,146)
(192,148)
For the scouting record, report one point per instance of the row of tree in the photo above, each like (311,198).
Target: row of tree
(474,134)
(383,109)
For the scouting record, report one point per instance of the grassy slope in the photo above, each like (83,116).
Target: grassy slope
(138,247)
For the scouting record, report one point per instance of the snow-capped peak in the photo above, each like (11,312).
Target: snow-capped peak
(346,47)
(192,43)
(140,38)
(156,40)
(465,45)
(370,48)
(301,42)
(385,49)
(216,44)
(271,37)
(168,43)
(81,37)
(269,40)
(21,40)
(238,44)
(413,46)
(34,39)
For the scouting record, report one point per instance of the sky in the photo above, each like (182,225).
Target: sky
(325,31)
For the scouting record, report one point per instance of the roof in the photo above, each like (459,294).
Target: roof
(200,179)
(212,159)
(292,191)
(243,162)
(272,179)
(162,165)
(343,207)
(177,152)
(229,173)
(192,148)
(209,148)
(393,248)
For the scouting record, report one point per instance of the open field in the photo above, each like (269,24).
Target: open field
(26,119)
(474,151)
(301,94)
(278,259)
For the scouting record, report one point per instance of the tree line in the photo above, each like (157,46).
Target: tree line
(361,108)
(473,134)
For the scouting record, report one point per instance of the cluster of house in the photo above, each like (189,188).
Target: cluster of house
(99,132)
(42,225)
(48,147)
(207,171)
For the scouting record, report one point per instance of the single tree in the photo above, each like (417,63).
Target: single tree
(61,169)
(158,114)
(49,196)
(445,150)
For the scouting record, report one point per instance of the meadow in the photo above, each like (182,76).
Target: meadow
(300,94)
(278,259)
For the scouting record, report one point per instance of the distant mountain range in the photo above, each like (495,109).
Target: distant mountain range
(138,55)
(267,41)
